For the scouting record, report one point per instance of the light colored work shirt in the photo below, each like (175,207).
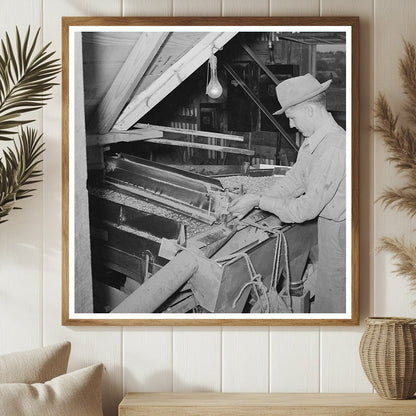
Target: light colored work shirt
(315,186)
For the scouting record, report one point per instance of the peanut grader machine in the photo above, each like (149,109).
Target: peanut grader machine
(162,241)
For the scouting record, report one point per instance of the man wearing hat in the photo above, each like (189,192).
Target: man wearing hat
(314,187)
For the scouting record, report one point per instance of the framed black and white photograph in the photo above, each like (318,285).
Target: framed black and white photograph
(210,171)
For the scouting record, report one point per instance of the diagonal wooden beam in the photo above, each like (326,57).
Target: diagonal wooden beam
(260,63)
(259,104)
(199,133)
(171,78)
(215,148)
(123,136)
(127,79)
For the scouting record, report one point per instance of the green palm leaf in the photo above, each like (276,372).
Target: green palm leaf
(19,169)
(25,79)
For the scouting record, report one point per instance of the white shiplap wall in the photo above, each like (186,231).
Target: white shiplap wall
(278,359)
(392,22)
(21,282)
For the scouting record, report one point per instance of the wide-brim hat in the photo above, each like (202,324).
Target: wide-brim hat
(296,90)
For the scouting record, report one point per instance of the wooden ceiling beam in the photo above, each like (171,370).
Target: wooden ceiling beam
(127,79)
(171,78)
(215,148)
(122,136)
(190,132)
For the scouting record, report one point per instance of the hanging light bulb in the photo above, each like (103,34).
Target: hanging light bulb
(214,89)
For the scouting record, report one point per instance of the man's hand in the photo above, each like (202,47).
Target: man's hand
(241,206)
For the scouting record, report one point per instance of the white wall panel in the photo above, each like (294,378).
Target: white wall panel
(294,8)
(89,344)
(245,8)
(83,7)
(341,370)
(20,13)
(245,359)
(197,359)
(147,7)
(21,276)
(21,237)
(294,359)
(147,359)
(394,21)
(196,8)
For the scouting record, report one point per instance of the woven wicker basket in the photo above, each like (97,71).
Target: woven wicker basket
(388,356)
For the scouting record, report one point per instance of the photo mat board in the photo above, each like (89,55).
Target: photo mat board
(154,156)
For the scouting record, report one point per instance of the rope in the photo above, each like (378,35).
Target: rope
(281,240)
(258,286)
(255,281)
(255,278)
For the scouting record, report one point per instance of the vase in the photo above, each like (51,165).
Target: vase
(388,356)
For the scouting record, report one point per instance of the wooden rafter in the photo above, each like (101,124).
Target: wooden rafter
(200,133)
(127,79)
(171,78)
(260,63)
(152,132)
(204,146)
(123,136)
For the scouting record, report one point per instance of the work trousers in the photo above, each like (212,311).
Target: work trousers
(331,273)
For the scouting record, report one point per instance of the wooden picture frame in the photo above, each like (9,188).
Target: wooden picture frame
(107,89)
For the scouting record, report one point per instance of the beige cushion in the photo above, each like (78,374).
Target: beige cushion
(73,394)
(35,366)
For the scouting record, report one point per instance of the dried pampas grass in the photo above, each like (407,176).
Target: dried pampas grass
(405,255)
(401,143)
